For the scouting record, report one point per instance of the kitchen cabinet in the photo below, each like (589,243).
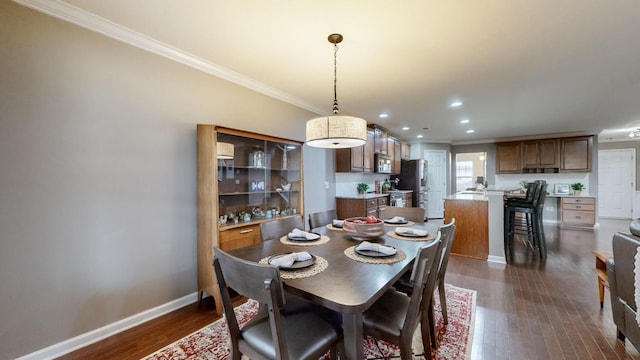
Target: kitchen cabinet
(405,151)
(508,158)
(348,207)
(240,172)
(357,159)
(472,227)
(397,157)
(578,211)
(541,155)
(576,153)
(380,141)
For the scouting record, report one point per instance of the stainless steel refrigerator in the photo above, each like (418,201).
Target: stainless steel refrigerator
(413,176)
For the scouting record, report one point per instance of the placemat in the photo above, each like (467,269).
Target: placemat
(315,269)
(353,255)
(429,236)
(331,227)
(323,240)
(409,223)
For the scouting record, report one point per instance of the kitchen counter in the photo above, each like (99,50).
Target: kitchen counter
(400,191)
(362,196)
(466,196)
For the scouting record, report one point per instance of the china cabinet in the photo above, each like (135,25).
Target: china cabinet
(244,179)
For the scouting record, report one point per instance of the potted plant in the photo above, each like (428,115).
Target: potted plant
(362,188)
(577,188)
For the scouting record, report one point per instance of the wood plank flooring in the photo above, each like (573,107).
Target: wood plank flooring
(525,310)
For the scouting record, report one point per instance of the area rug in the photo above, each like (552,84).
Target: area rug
(454,339)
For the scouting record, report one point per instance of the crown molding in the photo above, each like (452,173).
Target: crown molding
(87,20)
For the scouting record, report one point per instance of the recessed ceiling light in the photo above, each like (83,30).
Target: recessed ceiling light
(470,131)
(456,103)
(383,115)
(464,121)
(405,128)
(419,136)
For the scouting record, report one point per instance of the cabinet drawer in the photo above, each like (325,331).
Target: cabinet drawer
(579,200)
(239,237)
(372,204)
(383,201)
(579,207)
(579,217)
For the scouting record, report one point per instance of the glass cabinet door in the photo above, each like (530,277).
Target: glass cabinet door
(257,179)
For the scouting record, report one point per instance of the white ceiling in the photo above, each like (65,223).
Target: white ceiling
(522,68)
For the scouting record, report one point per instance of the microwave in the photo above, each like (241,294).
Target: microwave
(382,164)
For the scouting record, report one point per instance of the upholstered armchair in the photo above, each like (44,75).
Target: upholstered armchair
(620,270)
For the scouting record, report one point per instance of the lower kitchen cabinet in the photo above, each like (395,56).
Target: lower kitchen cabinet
(578,211)
(348,207)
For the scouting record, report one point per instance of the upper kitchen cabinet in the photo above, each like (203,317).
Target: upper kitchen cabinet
(395,155)
(508,158)
(541,155)
(405,151)
(576,153)
(357,159)
(381,143)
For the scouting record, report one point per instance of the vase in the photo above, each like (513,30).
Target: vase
(576,192)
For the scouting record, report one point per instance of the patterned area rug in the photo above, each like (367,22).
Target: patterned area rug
(454,340)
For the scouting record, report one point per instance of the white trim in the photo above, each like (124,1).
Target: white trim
(496,259)
(80,341)
(87,20)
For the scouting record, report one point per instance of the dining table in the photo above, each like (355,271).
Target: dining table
(345,285)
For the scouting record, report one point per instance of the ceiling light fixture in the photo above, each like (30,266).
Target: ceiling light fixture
(336,131)
(456,103)
(405,128)
(464,121)
(635,133)
(420,136)
(470,131)
(383,115)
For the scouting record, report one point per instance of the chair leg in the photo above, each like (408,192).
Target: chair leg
(443,302)
(432,325)
(426,337)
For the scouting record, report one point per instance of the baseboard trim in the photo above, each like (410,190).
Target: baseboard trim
(80,341)
(496,259)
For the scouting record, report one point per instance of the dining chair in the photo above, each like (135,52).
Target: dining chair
(322,218)
(274,333)
(406,283)
(415,214)
(395,316)
(531,225)
(276,229)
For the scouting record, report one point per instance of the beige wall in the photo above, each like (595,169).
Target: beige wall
(98,175)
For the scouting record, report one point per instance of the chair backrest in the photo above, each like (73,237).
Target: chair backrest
(424,274)
(532,191)
(255,281)
(415,214)
(448,231)
(278,228)
(541,194)
(322,218)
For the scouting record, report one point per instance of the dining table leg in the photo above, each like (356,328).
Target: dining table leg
(353,336)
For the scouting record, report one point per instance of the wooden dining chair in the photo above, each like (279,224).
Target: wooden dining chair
(274,333)
(415,214)
(278,228)
(395,316)
(322,218)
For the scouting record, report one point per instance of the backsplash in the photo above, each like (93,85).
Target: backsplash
(347,183)
(508,180)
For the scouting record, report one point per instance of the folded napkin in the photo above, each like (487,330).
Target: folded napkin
(289,259)
(365,245)
(397,219)
(411,232)
(337,223)
(297,233)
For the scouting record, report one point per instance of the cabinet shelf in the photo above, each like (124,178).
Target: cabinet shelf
(256,192)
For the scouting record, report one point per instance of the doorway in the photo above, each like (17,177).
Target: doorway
(436,182)
(616,183)
(471,170)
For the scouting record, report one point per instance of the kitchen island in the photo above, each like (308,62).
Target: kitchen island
(472,224)
(479,223)
(348,206)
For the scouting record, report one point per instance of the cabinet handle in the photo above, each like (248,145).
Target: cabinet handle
(246,231)
(578,217)
(578,207)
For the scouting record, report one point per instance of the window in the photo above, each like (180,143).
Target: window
(470,170)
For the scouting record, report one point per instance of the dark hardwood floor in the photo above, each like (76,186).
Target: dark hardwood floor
(525,310)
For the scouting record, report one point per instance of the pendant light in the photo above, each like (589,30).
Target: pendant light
(336,131)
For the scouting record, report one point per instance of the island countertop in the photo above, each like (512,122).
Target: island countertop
(466,196)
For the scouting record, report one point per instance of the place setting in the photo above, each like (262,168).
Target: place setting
(296,265)
(409,233)
(335,224)
(398,221)
(299,237)
(374,253)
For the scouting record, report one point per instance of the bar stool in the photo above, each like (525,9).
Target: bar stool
(530,209)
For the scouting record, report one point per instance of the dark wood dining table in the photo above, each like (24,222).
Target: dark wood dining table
(346,286)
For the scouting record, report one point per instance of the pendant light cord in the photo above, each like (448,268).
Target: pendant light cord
(335,78)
